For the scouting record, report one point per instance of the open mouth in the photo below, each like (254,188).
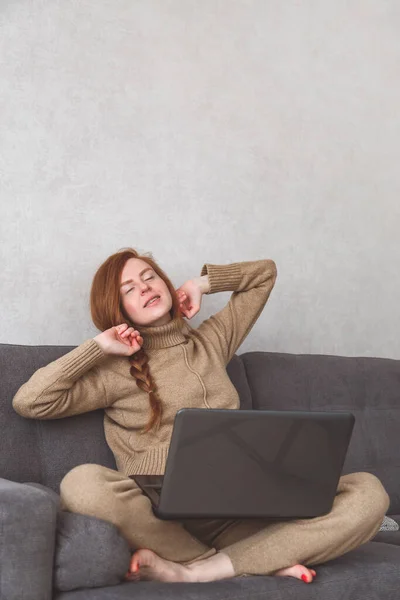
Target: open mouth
(156,300)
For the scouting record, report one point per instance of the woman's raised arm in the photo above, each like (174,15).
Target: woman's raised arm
(251,283)
(68,386)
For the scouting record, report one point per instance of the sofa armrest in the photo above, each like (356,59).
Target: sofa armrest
(27,539)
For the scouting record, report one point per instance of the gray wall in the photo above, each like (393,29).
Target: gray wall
(212,131)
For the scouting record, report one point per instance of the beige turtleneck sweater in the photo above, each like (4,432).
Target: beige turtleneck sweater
(187,364)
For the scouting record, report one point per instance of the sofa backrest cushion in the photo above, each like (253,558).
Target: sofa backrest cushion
(367,387)
(43,451)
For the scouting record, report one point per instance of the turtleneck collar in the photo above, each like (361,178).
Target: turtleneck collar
(163,336)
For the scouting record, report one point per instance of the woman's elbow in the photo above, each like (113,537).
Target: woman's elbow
(22,405)
(272,269)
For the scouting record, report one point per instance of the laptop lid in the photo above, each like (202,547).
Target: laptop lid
(253,463)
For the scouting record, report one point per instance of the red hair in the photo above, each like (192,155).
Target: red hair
(107,311)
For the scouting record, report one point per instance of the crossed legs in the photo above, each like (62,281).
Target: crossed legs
(206,550)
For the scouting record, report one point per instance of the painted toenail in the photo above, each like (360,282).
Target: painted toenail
(304,578)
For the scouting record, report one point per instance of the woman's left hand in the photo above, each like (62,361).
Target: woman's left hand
(189,296)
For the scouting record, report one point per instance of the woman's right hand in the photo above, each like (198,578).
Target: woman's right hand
(121,340)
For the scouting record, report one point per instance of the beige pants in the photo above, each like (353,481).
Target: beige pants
(255,546)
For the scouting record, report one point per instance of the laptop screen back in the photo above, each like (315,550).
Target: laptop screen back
(225,463)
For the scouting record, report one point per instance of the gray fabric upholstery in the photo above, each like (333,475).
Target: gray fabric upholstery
(369,573)
(237,375)
(89,552)
(52,495)
(27,536)
(388,537)
(365,386)
(52,448)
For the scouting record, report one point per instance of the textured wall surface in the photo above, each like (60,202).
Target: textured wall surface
(212,131)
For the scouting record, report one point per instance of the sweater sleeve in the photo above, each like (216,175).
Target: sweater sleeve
(251,283)
(68,386)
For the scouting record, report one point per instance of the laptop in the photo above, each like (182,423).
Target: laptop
(250,464)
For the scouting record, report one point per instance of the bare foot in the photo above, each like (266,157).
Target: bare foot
(298,571)
(146,565)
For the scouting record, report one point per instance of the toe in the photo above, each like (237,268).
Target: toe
(134,564)
(307,574)
(131,576)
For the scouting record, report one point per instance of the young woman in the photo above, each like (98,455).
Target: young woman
(146,364)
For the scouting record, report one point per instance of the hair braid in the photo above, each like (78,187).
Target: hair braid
(140,370)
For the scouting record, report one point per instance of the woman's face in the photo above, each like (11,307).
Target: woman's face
(140,283)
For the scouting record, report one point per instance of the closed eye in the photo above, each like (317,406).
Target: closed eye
(148,279)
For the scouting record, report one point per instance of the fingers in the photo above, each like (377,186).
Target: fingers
(124,331)
(182,297)
(135,337)
(135,342)
(129,333)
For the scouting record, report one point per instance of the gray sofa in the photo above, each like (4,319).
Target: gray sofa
(49,553)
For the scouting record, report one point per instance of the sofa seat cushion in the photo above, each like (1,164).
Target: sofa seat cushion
(91,553)
(388,537)
(371,571)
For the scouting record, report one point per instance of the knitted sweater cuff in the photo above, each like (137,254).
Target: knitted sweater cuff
(222,278)
(81,359)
